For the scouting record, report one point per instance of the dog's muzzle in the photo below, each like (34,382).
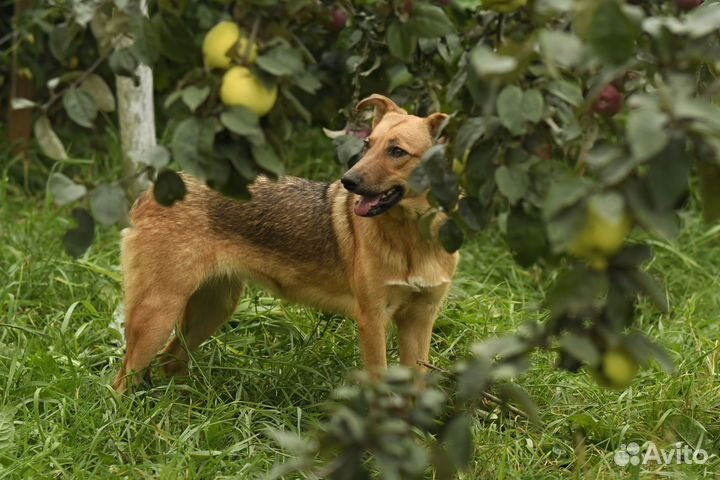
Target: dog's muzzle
(369,203)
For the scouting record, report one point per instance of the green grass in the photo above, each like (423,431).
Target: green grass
(275,364)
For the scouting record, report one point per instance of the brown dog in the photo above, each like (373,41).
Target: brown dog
(355,250)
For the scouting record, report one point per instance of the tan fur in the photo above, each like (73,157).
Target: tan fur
(185,266)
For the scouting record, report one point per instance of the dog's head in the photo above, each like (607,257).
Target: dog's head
(391,152)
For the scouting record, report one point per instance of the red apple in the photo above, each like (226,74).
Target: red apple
(686,5)
(609,102)
(338,18)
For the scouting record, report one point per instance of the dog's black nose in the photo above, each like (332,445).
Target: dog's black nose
(351,182)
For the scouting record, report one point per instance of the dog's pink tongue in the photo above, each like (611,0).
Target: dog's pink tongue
(365,204)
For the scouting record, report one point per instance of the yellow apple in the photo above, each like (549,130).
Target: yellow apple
(241,88)
(221,40)
(604,231)
(616,370)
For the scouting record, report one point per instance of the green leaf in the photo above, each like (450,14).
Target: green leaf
(471,213)
(451,236)
(64,190)
(108,204)
(177,40)
(509,108)
(157,157)
(353,62)
(168,188)
(480,169)
(59,41)
(646,284)
(95,86)
(486,63)
(296,105)
(289,441)
(7,430)
(194,96)
(662,223)
(192,146)
(512,391)
(577,291)
(19,103)
(281,61)
(425,224)
(458,440)
(632,256)
(500,348)
(564,227)
(612,34)
(640,345)
(445,189)
(473,380)
(668,176)
(172,98)
(565,193)
(512,182)
(581,348)
(526,237)
(645,133)
(429,21)
(398,75)
(80,107)
(532,105)
(565,90)
(266,158)
(48,141)
(709,193)
(470,132)
(560,48)
(308,82)
(147,43)
(347,149)
(244,122)
(123,62)
(77,240)
(703,20)
(401,42)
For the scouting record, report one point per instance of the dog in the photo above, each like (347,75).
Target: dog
(351,247)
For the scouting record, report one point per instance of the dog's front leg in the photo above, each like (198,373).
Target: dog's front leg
(372,326)
(415,321)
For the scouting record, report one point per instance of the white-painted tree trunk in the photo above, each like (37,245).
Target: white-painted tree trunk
(136,114)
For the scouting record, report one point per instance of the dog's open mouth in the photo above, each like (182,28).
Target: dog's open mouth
(372,205)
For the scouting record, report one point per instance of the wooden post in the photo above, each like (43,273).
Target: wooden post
(136,115)
(21,86)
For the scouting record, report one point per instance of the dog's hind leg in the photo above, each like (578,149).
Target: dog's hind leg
(156,295)
(209,307)
(148,324)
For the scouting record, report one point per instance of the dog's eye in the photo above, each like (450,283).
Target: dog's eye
(397,152)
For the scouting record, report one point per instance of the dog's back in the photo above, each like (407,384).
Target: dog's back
(290,216)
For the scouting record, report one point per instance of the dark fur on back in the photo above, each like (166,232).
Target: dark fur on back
(285,216)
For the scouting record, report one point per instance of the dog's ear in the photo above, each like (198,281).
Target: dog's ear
(382,106)
(435,123)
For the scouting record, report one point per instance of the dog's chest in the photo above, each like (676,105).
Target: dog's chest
(423,273)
